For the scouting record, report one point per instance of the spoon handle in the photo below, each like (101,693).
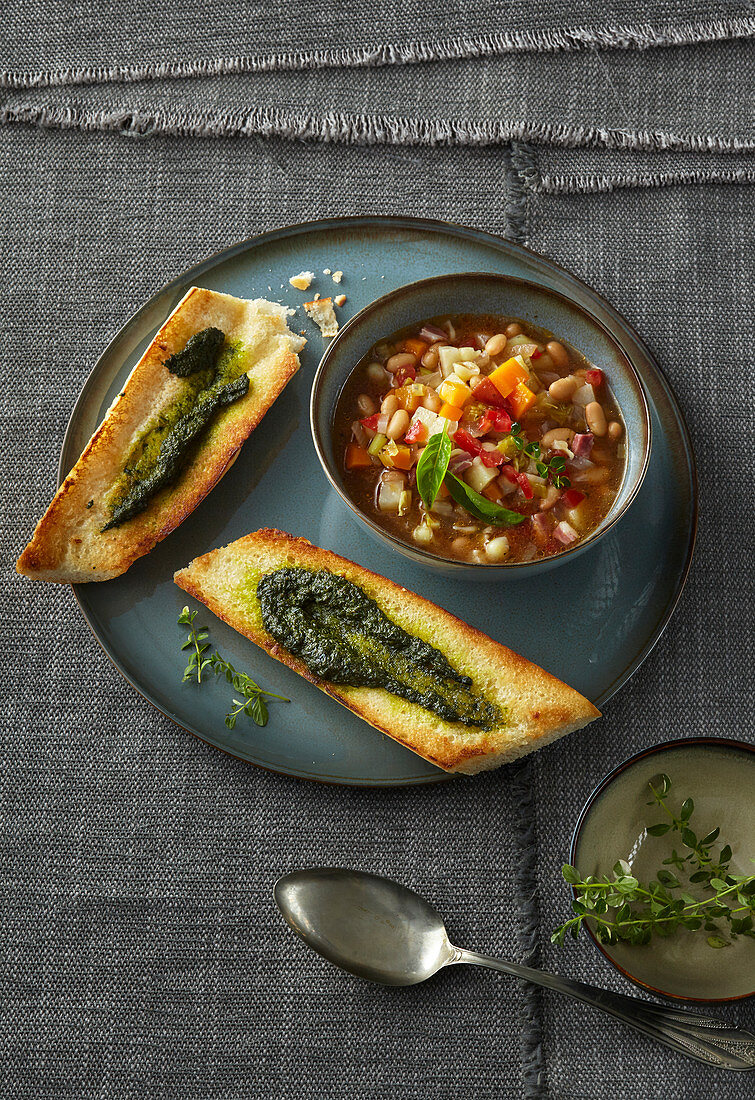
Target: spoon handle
(702,1037)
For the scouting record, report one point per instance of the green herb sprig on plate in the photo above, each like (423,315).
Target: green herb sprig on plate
(253,702)
(623,909)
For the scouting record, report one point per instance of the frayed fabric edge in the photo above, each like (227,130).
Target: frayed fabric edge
(531,1044)
(587,184)
(621,36)
(361,129)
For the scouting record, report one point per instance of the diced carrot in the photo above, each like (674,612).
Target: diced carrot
(396,457)
(415,346)
(520,399)
(492,491)
(356,457)
(506,377)
(403,460)
(455,392)
(451,412)
(407,398)
(443,491)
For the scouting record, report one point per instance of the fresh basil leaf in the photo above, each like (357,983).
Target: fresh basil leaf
(432,467)
(480,507)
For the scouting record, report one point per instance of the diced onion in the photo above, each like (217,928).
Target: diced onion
(422,533)
(479,476)
(465,371)
(565,533)
(584,395)
(389,495)
(360,435)
(433,333)
(382,424)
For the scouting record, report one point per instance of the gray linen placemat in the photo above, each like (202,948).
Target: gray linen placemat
(57,41)
(698,99)
(142,955)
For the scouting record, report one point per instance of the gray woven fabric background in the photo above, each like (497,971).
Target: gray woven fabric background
(622,99)
(59,41)
(141,953)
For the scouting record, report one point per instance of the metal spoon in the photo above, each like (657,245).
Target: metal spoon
(384,932)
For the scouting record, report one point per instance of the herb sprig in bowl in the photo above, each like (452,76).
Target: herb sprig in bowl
(623,909)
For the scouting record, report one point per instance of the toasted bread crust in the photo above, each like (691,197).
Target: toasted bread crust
(68,544)
(540,707)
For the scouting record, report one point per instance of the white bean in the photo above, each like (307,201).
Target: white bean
(398,424)
(389,405)
(496,344)
(376,372)
(365,404)
(402,359)
(556,433)
(558,353)
(432,402)
(563,388)
(596,418)
(615,430)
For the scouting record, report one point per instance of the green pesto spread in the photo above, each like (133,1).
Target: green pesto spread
(342,636)
(213,377)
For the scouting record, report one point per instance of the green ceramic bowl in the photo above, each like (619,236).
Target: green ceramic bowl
(483,293)
(719,775)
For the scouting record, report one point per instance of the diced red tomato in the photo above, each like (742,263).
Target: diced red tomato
(524,485)
(495,420)
(370,422)
(510,473)
(573,497)
(404,375)
(594,377)
(535,354)
(473,447)
(416,432)
(486,391)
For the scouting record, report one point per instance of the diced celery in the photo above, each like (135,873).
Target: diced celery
(377,444)
(405,502)
(507,446)
(387,453)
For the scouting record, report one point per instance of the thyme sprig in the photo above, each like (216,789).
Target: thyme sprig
(253,704)
(553,468)
(623,909)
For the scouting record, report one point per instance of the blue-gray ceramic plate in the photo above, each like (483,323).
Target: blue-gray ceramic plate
(633,576)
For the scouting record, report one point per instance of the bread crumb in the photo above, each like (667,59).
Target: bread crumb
(322,313)
(337,276)
(303,280)
(340,299)
(326,271)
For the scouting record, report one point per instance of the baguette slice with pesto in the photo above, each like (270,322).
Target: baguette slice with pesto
(517,707)
(202,386)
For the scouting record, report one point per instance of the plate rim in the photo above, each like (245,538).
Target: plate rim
(427,225)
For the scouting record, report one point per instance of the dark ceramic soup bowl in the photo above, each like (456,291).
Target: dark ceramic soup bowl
(491,294)
(718,774)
